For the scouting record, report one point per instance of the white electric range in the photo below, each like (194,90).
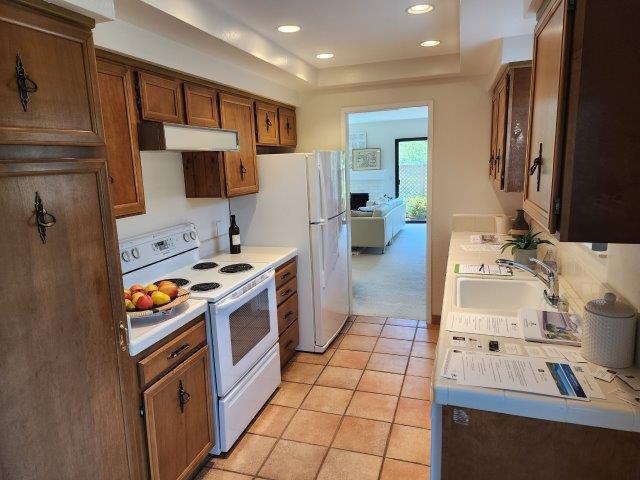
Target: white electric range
(239,300)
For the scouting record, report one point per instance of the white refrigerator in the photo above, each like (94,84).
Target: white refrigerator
(302,204)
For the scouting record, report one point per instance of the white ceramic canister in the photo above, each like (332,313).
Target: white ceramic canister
(609,332)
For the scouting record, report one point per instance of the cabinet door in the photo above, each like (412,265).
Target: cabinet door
(179,420)
(287,124)
(58,103)
(240,168)
(121,137)
(60,388)
(201,105)
(545,123)
(267,124)
(160,98)
(501,128)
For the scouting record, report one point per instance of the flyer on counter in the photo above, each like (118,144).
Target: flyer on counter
(551,327)
(481,324)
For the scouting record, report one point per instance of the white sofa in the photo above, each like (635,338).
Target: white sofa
(377,228)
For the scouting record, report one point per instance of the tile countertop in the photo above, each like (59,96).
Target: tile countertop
(275,256)
(610,413)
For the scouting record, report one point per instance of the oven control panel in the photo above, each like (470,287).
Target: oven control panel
(142,250)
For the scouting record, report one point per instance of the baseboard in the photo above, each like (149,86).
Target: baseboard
(435,319)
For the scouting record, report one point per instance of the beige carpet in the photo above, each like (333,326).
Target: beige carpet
(393,284)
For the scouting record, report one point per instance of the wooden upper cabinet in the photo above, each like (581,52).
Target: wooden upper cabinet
(179,422)
(545,124)
(201,106)
(287,124)
(121,136)
(510,122)
(160,98)
(267,124)
(240,168)
(48,92)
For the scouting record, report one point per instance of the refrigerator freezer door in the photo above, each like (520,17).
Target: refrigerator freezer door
(329,247)
(326,177)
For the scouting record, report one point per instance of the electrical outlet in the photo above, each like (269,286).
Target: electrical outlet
(218,227)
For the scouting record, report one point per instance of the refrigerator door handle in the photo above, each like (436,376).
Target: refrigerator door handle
(322,255)
(323,191)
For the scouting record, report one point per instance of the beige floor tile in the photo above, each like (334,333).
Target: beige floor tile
(301,372)
(357,342)
(422,324)
(207,474)
(409,443)
(312,427)
(369,319)
(380,382)
(372,405)
(393,346)
(395,331)
(366,329)
(290,394)
(327,399)
(337,340)
(248,454)
(340,377)
(362,435)
(293,461)
(424,350)
(416,387)
(383,362)
(426,335)
(347,325)
(398,470)
(343,465)
(413,412)
(402,322)
(420,367)
(349,359)
(316,358)
(272,421)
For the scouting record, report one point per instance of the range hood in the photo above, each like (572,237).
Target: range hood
(156,136)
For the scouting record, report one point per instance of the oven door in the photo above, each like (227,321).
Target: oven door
(244,326)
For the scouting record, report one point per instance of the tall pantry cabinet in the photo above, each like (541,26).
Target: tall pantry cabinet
(63,348)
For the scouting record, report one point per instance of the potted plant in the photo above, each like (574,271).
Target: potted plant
(524,247)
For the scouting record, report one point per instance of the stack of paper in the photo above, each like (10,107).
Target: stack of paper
(482,324)
(481,247)
(482,269)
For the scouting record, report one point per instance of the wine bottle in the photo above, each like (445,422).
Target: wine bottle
(234,236)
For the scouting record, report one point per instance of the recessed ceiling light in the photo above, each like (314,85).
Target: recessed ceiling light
(420,8)
(288,28)
(324,56)
(430,43)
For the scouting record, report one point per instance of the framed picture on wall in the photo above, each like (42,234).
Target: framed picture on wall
(365,159)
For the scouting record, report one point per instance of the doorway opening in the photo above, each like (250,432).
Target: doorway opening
(387,151)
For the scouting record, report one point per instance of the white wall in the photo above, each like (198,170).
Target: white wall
(461,130)
(383,135)
(167,205)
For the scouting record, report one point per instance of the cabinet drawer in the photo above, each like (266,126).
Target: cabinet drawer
(288,342)
(172,353)
(286,272)
(287,313)
(286,290)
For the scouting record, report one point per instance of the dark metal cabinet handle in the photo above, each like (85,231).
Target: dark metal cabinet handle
(178,351)
(288,314)
(286,292)
(183,397)
(243,170)
(285,275)
(25,84)
(537,166)
(267,121)
(44,219)
(288,126)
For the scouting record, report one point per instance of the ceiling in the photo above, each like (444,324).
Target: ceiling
(356,31)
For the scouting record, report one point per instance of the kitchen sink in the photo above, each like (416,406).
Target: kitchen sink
(498,294)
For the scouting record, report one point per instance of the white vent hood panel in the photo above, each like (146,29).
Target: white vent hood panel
(182,138)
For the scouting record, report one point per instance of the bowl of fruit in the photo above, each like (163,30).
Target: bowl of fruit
(156,298)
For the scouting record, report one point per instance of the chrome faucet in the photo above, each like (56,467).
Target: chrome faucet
(552,292)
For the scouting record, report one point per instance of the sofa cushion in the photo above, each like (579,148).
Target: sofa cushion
(360,213)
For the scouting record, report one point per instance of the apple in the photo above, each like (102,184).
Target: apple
(136,296)
(165,281)
(160,298)
(136,288)
(127,294)
(170,289)
(129,305)
(152,287)
(144,302)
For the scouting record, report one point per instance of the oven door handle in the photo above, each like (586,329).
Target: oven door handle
(233,300)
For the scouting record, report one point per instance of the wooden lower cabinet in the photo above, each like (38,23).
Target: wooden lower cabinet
(495,445)
(178,411)
(287,299)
